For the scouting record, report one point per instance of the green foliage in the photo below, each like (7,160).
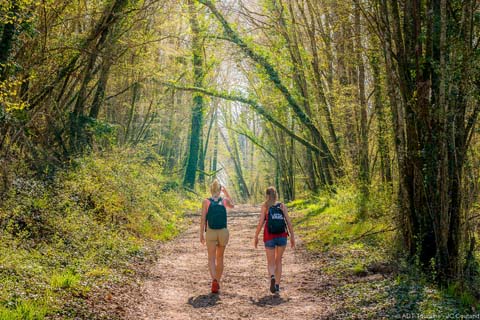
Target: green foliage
(355,255)
(403,297)
(328,219)
(8,91)
(60,239)
(66,280)
(24,310)
(359,270)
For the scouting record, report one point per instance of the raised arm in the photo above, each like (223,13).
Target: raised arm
(261,221)
(289,225)
(228,200)
(203,219)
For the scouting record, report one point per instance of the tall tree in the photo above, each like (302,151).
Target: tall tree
(8,36)
(435,53)
(198,103)
(382,124)
(328,160)
(363,156)
(96,42)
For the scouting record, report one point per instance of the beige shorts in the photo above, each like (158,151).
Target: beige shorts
(217,236)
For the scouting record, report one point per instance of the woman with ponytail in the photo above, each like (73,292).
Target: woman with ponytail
(277,227)
(213,230)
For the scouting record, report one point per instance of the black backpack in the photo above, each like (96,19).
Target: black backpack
(217,214)
(276,220)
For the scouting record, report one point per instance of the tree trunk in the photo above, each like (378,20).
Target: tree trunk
(301,84)
(382,132)
(215,150)
(7,40)
(326,104)
(95,43)
(131,114)
(198,103)
(242,185)
(363,160)
(274,77)
(203,154)
(99,97)
(433,139)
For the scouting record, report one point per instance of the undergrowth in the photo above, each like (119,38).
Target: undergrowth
(61,238)
(363,258)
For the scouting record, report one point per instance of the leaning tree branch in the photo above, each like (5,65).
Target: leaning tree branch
(372,232)
(254,141)
(255,106)
(273,75)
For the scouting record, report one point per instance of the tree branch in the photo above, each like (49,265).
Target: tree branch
(256,106)
(254,141)
(274,77)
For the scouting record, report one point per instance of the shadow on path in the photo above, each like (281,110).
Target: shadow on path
(204,300)
(176,287)
(269,300)
(312,214)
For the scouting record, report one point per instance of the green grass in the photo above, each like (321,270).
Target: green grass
(24,310)
(66,280)
(351,247)
(329,223)
(59,239)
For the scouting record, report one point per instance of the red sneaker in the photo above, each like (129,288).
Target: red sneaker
(215,286)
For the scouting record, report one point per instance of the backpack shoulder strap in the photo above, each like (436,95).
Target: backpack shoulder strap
(216,202)
(279,207)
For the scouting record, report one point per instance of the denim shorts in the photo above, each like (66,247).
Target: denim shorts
(276,242)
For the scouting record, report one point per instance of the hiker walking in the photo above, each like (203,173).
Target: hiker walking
(213,230)
(277,227)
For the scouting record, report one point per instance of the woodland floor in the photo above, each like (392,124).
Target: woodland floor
(177,285)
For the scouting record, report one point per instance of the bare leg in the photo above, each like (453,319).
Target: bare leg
(278,263)
(219,266)
(270,261)
(211,248)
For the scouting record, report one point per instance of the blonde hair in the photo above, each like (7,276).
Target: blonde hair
(215,187)
(271,197)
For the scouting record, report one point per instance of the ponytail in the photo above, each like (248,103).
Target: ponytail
(215,187)
(271,197)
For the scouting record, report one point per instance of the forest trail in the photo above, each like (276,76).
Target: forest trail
(178,285)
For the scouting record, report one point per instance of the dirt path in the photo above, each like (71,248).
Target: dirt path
(177,287)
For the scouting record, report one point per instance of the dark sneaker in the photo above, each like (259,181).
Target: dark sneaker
(215,286)
(272,284)
(277,289)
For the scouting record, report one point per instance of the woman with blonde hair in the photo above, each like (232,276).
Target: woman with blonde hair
(213,230)
(277,227)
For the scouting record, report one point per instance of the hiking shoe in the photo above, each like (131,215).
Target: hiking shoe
(277,289)
(272,284)
(215,286)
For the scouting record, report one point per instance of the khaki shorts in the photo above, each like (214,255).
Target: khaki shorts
(217,236)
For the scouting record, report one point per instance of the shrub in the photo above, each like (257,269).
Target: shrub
(82,228)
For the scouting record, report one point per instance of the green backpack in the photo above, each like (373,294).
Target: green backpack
(216,214)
